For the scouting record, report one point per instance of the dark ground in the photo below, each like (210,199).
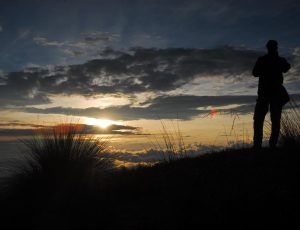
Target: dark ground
(245,189)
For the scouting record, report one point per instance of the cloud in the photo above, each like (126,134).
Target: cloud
(2,78)
(155,154)
(24,33)
(137,71)
(86,42)
(159,72)
(73,53)
(183,107)
(82,128)
(165,107)
(97,36)
(90,43)
(147,40)
(45,42)
(21,124)
(1,28)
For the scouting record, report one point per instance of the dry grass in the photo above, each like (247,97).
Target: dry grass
(170,142)
(290,126)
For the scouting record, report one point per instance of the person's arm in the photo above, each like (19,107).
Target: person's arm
(285,65)
(257,68)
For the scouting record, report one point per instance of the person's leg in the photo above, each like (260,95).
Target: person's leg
(275,110)
(261,109)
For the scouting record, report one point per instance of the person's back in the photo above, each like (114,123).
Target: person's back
(269,69)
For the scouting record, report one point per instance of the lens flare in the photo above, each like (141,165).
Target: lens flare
(213,113)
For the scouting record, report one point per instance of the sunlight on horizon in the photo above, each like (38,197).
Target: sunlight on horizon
(102,123)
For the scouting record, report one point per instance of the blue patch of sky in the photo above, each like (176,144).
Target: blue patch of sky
(193,24)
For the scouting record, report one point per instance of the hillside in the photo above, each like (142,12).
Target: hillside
(241,188)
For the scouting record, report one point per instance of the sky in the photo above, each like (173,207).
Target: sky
(121,67)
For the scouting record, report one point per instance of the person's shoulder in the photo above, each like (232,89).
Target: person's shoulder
(281,58)
(262,58)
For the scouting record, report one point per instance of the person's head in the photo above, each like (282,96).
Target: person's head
(272,47)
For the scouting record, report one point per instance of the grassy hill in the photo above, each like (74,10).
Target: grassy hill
(241,188)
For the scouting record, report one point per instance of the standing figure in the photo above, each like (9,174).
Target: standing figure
(271,93)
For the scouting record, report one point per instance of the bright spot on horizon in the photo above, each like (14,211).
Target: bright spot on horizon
(213,113)
(102,123)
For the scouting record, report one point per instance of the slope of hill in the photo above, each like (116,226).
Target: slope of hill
(242,188)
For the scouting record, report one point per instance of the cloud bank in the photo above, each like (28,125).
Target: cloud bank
(138,70)
(169,75)
(33,129)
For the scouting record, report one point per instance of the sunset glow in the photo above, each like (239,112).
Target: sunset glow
(119,68)
(102,123)
(149,114)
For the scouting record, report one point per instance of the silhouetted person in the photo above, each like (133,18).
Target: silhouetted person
(271,93)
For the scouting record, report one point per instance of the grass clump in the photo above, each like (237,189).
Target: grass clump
(61,156)
(290,126)
(64,149)
(170,143)
(62,169)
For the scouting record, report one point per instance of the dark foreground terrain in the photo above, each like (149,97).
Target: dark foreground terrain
(240,188)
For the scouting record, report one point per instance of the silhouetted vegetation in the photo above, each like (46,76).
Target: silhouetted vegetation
(290,126)
(61,165)
(67,182)
(171,144)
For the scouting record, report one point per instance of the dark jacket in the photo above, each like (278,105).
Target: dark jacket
(269,69)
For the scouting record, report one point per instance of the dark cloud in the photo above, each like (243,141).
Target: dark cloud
(22,88)
(92,38)
(97,36)
(156,153)
(138,70)
(186,102)
(22,124)
(83,129)
(45,42)
(173,23)
(17,132)
(183,107)
(164,107)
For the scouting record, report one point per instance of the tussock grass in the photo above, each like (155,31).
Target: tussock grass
(61,157)
(64,147)
(290,126)
(60,176)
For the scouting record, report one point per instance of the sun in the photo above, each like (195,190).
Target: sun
(102,123)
